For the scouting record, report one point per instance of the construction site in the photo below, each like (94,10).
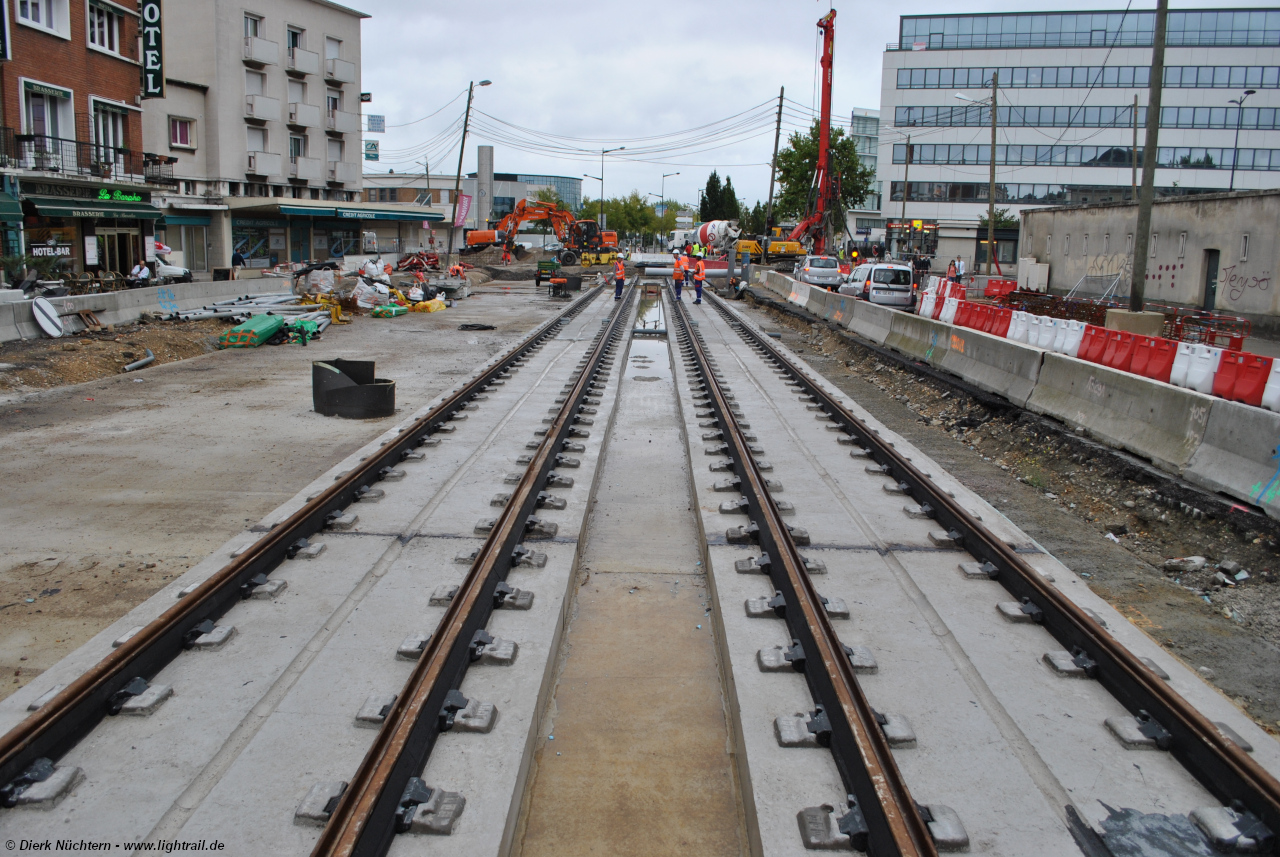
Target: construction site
(555,525)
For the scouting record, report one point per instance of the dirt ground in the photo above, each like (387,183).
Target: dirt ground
(114,486)
(1116,534)
(40,364)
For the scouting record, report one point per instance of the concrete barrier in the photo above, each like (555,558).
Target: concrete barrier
(994,364)
(1238,455)
(921,338)
(799,294)
(870,321)
(17,321)
(779,284)
(841,309)
(1160,422)
(817,300)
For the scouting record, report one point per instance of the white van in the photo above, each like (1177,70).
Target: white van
(887,283)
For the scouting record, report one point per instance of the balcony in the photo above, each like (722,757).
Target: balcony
(158,169)
(340,122)
(343,172)
(305,169)
(260,52)
(260,108)
(300,63)
(70,157)
(262,164)
(339,71)
(303,115)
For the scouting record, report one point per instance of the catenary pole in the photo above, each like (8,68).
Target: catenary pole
(773,169)
(1142,233)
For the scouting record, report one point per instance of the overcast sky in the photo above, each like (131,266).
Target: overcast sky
(623,71)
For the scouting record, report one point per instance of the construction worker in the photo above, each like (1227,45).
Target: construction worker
(699,275)
(619,277)
(678,268)
(506,253)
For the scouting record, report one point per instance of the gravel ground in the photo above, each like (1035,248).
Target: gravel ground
(1115,533)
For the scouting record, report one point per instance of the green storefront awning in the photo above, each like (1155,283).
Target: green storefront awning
(305,211)
(365,214)
(68,207)
(186,220)
(10,209)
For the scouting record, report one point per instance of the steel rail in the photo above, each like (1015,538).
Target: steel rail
(1217,763)
(63,721)
(882,817)
(363,823)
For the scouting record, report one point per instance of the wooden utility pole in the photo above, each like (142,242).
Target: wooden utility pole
(773,170)
(1142,234)
(457,183)
(991,189)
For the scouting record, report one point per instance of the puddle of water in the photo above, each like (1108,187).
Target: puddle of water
(649,358)
(650,315)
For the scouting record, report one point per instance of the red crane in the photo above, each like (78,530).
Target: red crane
(822,194)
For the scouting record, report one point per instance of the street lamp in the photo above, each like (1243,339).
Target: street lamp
(1235,152)
(462,148)
(603,152)
(665,176)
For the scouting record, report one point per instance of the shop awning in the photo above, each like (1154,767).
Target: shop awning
(186,220)
(305,211)
(383,214)
(59,207)
(10,209)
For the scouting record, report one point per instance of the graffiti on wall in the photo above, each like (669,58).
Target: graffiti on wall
(1237,283)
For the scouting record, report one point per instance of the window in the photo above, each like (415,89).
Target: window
(50,15)
(1048,246)
(108,126)
(257,139)
(1244,248)
(1106,244)
(297,92)
(1128,244)
(1084,249)
(46,110)
(332,48)
(297,148)
(335,150)
(182,133)
(1155,239)
(104,28)
(252,24)
(189,188)
(254,82)
(333,101)
(1066,246)
(293,38)
(1182,245)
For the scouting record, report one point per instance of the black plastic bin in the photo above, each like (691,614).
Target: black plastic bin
(573,284)
(348,388)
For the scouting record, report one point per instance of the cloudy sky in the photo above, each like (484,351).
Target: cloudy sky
(574,76)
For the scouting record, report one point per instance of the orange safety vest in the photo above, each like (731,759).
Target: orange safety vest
(678,270)
(699,270)
(619,270)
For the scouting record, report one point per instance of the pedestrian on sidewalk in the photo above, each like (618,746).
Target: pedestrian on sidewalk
(237,262)
(951,272)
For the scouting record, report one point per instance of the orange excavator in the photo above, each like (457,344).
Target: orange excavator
(583,240)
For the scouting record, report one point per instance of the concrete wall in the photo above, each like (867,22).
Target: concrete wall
(17,321)
(1176,270)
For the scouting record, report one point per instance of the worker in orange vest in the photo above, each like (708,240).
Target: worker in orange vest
(677,272)
(699,275)
(619,277)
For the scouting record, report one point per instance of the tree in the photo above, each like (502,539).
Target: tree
(1004,220)
(710,198)
(752,221)
(547,194)
(797,163)
(728,208)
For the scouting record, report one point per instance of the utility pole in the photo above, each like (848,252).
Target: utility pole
(1142,234)
(462,148)
(906,185)
(991,190)
(1133,154)
(773,169)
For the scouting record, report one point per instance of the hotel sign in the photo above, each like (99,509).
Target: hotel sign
(152,49)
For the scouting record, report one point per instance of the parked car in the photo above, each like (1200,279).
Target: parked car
(887,283)
(166,273)
(819,271)
(553,246)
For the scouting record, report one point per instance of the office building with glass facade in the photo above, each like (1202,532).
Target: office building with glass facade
(1067,84)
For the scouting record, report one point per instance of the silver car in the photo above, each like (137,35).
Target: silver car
(884,283)
(821,271)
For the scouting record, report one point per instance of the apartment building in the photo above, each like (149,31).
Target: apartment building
(77,186)
(1067,84)
(261,121)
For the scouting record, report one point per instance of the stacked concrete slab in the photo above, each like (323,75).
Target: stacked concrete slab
(1224,446)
